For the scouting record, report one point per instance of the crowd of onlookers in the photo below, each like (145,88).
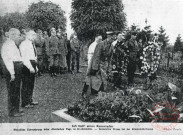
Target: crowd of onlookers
(25,53)
(56,54)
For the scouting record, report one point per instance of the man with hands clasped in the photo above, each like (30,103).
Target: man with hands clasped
(29,57)
(13,62)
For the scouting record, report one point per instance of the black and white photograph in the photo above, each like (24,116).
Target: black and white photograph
(79,66)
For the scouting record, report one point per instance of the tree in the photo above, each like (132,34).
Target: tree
(163,38)
(13,20)
(128,31)
(89,17)
(44,15)
(148,32)
(178,46)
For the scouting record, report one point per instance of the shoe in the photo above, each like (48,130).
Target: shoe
(34,103)
(79,71)
(54,74)
(40,74)
(16,114)
(71,72)
(21,110)
(29,106)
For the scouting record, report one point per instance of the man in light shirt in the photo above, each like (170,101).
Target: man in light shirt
(29,57)
(91,48)
(13,62)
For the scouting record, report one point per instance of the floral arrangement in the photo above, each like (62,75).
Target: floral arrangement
(150,58)
(135,106)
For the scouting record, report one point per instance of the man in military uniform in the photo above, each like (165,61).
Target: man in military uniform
(63,52)
(96,72)
(132,52)
(46,52)
(75,52)
(68,56)
(118,60)
(39,43)
(53,53)
(1,43)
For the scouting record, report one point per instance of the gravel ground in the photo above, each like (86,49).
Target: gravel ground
(51,93)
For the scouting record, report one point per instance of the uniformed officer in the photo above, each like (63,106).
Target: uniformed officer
(97,66)
(63,52)
(46,51)
(39,43)
(1,43)
(133,51)
(118,60)
(13,62)
(75,52)
(53,53)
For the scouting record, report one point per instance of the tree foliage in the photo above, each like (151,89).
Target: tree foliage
(44,15)
(89,17)
(163,38)
(13,20)
(178,46)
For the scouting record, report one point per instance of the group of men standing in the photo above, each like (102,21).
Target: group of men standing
(20,60)
(110,55)
(26,54)
(55,53)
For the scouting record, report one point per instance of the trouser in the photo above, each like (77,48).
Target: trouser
(131,68)
(45,64)
(62,62)
(40,63)
(117,79)
(28,84)
(54,59)
(93,91)
(75,58)
(13,88)
(68,58)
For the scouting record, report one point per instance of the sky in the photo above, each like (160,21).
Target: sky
(166,13)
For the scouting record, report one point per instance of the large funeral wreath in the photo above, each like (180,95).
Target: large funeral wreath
(150,58)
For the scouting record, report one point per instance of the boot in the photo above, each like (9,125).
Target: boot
(61,70)
(51,71)
(54,71)
(72,67)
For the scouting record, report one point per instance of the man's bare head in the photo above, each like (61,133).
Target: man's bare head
(30,34)
(14,34)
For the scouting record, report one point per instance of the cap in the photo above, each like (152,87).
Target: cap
(110,32)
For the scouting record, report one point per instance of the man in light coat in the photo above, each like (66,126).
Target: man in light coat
(97,66)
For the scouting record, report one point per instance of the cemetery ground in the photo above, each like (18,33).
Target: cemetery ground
(51,93)
(59,92)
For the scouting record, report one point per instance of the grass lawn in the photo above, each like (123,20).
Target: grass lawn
(51,93)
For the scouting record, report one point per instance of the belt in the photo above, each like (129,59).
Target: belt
(33,60)
(19,62)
